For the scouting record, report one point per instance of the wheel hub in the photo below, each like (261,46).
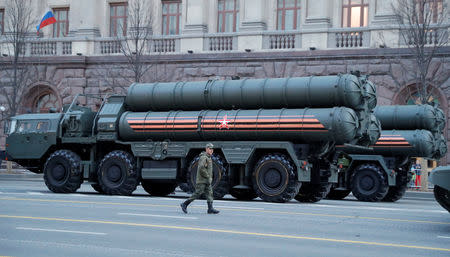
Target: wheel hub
(367,183)
(114,173)
(58,172)
(272,178)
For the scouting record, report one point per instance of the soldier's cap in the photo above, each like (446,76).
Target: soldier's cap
(209,145)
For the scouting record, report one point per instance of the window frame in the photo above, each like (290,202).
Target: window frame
(2,22)
(166,30)
(56,27)
(235,12)
(297,10)
(349,6)
(113,19)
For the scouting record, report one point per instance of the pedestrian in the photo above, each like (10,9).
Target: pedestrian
(203,181)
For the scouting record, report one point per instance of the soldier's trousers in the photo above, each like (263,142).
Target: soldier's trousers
(202,189)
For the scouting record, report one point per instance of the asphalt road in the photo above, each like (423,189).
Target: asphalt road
(36,222)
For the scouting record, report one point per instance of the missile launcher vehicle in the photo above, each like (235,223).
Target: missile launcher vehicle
(268,142)
(381,172)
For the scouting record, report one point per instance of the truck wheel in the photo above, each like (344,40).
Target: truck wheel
(62,173)
(243,194)
(312,193)
(158,189)
(219,185)
(396,192)
(186,187)
(117,174)
(442,196)
(369,183)
(274,179)
(338,194)
(97,188)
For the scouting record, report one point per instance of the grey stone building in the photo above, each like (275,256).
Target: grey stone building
(217,39)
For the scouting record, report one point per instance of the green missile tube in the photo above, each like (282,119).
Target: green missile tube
(338,124)
(271,93)
(409,117)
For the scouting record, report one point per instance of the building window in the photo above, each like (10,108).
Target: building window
(171,13)
(61,27)
(355,13)
(228,16)
(429,11)
(288,14)
(118,19)
(2,21)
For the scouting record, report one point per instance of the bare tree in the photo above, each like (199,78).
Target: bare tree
(135,44)
(422,29)
(19,21)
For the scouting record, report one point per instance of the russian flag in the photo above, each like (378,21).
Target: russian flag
(48,19)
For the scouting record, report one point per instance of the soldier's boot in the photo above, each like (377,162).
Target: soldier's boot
(185,204)
(211,210)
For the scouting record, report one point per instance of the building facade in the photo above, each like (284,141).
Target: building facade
(217,39)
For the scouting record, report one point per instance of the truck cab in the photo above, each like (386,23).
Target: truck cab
(30,136)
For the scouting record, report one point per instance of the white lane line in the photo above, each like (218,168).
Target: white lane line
(158,216)
(34,193)
(243,208)
(377,208)
(62,231)
(446,237)
(230,207)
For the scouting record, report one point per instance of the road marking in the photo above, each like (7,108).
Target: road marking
(62,231)
(35,193)
(446,237)
(230,207)
(244,210)
(377,208)
(236,232)
(154,215)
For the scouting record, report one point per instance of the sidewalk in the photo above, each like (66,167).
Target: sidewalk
(19,174)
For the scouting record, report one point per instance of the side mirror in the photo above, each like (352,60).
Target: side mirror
(6,127)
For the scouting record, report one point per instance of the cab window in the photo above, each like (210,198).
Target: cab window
(32,126)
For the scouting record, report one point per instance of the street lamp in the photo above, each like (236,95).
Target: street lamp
(2,108)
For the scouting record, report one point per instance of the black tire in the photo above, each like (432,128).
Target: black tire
(396,192)
(243,194)
(338,194)
(219,183)
(97,188)
(62,172)
(158,189)
(186,187)
(442,196)
(312,193)
(369,183)
(117,174)
(274,179)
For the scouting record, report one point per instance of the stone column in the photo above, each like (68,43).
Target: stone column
(83,25)
(384,13)
(252,20)
(195,25)
(384,18)
(317,20)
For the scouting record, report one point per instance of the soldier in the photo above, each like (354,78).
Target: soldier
(203,181)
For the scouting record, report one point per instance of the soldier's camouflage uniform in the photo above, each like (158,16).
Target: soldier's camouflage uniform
(204,178)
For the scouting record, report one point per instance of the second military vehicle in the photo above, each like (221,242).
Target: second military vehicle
(381,173)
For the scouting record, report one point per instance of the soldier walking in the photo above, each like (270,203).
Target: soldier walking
(203,181)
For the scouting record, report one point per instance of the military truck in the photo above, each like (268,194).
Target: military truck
(440,177)
(153,135)
(381,173)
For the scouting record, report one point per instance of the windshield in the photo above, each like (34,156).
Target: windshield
(31,126)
